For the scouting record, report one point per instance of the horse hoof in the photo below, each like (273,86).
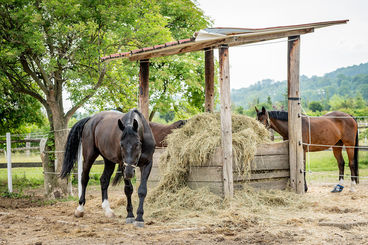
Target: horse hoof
(109,214)
(139,224)
(129,220)
(353,190)
(78,214)
(337,188)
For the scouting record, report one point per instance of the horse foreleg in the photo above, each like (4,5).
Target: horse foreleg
(305,171)
(353,171)
(105,181)
(142,192)
(128,190)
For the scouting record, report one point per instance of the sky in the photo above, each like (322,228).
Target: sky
(322,51)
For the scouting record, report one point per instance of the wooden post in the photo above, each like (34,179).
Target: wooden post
(8,156)
(294,120)
(226,121)
(144,88)
(209,80)
(28,145)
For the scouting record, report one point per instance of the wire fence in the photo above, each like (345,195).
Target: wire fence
(36,138)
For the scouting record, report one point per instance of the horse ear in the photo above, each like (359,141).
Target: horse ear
(256,109)
(263,110)
(135,125)
(121,125)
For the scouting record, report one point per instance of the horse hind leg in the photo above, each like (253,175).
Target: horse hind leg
(337,151)
(105,181)
(353,171)
(87,164)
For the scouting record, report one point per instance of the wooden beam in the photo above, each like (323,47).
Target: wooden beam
(209,80)
(226,121)
(144,88)
(231,41)
(294,120)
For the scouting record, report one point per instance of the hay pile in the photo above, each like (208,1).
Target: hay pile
(195,143)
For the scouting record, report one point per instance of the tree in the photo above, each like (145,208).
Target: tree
(176,82)
(359,101)
(17,110)
(51,46)
(269,101)
(239,110)
(315,106)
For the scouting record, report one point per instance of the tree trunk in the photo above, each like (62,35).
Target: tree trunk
(52,160)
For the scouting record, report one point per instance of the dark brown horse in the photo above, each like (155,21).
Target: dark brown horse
(332,129)
(120,138)
(160,131)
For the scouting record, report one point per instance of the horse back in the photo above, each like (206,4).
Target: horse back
(329,129)
(342,120)
(103,134)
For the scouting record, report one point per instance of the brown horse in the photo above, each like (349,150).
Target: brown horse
(120,138)
(160,131)
(332,129)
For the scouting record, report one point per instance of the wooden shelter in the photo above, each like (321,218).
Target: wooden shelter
(222,38)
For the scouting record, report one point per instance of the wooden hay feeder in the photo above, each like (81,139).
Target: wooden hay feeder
(269,170)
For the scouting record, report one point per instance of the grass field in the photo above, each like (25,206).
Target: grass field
(321,167)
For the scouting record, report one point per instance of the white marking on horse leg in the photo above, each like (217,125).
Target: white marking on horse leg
(79,212)
(108,211)
(353,186)
(341,182)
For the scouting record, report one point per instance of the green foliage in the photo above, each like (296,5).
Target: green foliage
(17,111)
(176,82)
(239,110)
(184,17)
(315,106)
(169,116)
(343,88)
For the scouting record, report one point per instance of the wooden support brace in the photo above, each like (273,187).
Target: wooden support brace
(209,80)
(295,120)
(226,121)
(144,88)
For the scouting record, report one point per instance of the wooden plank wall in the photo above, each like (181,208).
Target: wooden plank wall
(269,170)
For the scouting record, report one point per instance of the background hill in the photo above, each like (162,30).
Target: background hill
(347,82)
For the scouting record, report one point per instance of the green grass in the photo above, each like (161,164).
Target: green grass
(21,157)
(33,177)
(325,161)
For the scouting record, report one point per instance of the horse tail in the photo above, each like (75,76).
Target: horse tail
(356,150)
(71,147)
(118,175)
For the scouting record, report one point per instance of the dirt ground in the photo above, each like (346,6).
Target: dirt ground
(324,218)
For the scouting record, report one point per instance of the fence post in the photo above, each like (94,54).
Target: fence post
(8,156)
(80,168)
(28,145)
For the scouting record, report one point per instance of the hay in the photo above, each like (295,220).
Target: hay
(194,145)
(249,207)
(196,142)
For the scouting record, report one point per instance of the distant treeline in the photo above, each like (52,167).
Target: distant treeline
(348,86)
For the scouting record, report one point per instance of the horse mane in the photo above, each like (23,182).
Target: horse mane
(279,115)
(127,120)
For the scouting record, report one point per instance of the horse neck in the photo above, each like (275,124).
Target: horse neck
(280,127)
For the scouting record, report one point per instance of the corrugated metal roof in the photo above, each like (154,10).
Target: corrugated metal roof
(214,37)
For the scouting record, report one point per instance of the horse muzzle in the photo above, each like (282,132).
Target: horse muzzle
(129,171)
